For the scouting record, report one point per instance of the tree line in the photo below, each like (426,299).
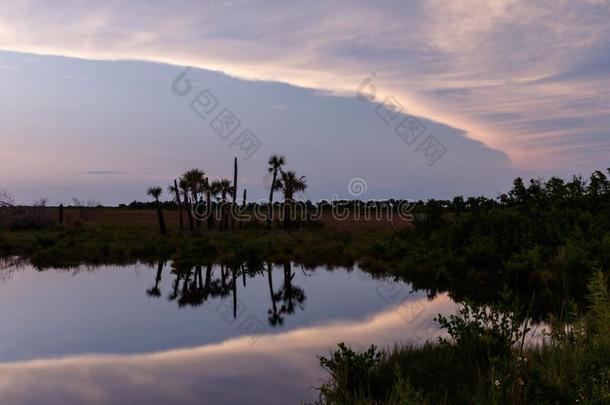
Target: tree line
(202,198)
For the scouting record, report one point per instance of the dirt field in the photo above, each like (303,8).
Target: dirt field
(149,217)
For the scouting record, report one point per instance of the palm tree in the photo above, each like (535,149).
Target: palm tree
(215,189)
(291,295)
(234,194)
(155,192)
(275,318)
(194,178)
(290,184)
(276,162)
(176,191)
(206,187)
(184,186)
(155,291)
(225,189)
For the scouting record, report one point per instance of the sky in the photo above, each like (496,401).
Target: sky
(95,101)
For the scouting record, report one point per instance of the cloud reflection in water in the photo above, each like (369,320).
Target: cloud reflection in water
(279,368)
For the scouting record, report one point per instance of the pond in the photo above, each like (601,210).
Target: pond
(207,334)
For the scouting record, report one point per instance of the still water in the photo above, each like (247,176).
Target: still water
(206,335)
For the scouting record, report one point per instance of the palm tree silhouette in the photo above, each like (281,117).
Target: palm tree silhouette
(275,317)
(225,189)
(208,281)
(175,285)
(176,191)
(155,192)
(155,291)
(206,187)
(290,184)
(194,178)
(276,162)
(290,295)
(215,189)
(184,186)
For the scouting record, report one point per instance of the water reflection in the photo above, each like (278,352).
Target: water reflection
(191,288)
(161,333)
(280,368)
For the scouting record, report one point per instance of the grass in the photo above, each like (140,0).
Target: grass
(484,362)
(427,258)
(148,217)
(118,244)
(542,250)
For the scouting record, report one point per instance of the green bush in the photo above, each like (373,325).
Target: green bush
(484,361)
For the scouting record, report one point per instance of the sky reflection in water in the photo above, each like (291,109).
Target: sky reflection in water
(101,335)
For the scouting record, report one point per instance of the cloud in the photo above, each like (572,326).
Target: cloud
(485,67)
(211,372)
(126,117)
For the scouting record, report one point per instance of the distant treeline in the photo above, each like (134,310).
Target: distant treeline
(536,193)
(542,236)
(540,251)
(548,236)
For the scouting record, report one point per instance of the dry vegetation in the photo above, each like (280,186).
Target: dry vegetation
(116,216)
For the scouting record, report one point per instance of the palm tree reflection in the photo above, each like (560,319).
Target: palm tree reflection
(154,291)
(190,288)
(290,294)
(275,318)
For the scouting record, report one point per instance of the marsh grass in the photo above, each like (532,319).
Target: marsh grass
(484,362)
(112,244)
(432,259)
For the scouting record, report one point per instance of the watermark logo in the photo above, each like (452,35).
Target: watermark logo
(229,312)
(225,123)
(253,327)
(357,187)
(267,180)
(366,90)
(408,128)
(234,313)
(389,290)
(304,211)
(409,310)
(432,148)
(307,211)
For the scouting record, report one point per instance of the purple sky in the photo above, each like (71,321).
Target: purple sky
(504,88)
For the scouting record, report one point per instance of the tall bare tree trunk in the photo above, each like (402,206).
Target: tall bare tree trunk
(287,211)
(270,209)
(274,314)
(234,192)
